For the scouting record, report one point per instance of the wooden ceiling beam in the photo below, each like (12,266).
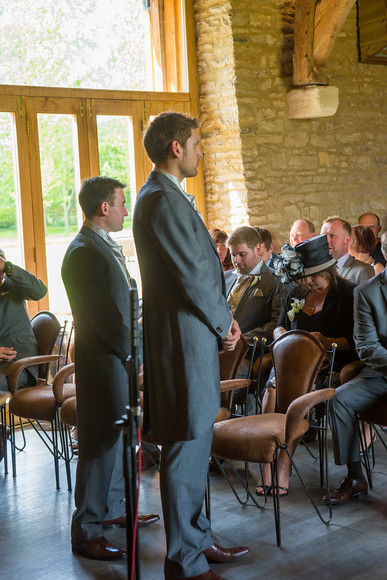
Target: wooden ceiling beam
(317,24)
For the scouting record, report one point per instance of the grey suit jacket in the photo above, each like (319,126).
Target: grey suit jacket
(15,324)
(185,312)
(356,271)
(370,331)
(259,307)
(100,302)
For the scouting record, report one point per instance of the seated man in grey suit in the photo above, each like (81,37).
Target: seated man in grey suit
(17,339)
(338,232)
(369,388)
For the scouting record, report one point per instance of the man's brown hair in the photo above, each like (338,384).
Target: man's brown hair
(164,129)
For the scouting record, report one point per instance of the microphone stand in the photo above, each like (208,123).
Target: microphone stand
(130,425)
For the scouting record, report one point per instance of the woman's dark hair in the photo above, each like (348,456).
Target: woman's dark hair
(219,237)
(363,239)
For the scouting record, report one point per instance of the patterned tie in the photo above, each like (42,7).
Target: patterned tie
(239,288)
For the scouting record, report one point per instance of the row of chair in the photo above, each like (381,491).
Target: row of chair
(37,404)
(297,357)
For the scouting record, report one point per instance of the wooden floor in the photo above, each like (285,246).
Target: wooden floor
(35,528)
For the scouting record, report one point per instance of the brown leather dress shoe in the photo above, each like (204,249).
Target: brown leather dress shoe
(217,555)
(143,520)
(97,549)
(348,489)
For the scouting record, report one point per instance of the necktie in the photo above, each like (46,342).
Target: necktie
(239,288)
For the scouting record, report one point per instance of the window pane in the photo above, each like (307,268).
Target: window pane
(90,44)
(116,160)
(10,239)
(60,182)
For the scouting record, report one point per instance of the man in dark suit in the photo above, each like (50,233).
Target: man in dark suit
(338,232)
(251,286)
(373,221)
(17,339)
(368,388)
(97,284)
(186,319)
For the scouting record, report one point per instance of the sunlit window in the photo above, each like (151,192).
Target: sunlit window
(99,44)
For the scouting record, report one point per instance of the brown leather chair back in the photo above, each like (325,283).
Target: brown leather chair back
(297,357)
(230,361)
(46,328)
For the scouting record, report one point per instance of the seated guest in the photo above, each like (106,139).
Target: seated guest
(17,339)
(338,232)
(301,231)
(219,238)
(361,245)
(251,285)
(322,304)
(267,247)
(373,221)
(368,389)
(252,294)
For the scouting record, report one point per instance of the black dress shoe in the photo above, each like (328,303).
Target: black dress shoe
(210,575)
(348,489)
(97,549)
(143,520)
(217,555)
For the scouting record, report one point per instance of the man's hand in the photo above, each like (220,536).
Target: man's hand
(232,337)
(7,354)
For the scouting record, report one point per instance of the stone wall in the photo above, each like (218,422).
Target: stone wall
(261,167)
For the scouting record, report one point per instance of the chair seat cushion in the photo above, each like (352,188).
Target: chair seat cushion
(68,411)
(34,403)
(254,439)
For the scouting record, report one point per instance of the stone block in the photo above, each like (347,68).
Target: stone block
(312,102)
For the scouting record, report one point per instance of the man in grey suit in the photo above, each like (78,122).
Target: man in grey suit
(368,388)
(338,232)
(97,283)
(186,319)
(17,339)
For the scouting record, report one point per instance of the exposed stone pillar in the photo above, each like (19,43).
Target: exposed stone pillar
(226,192)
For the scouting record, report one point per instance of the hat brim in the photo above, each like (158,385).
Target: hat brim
(318,269)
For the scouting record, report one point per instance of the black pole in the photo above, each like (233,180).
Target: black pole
(130,425)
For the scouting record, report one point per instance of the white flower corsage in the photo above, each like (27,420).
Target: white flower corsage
(296,306)
(255,280)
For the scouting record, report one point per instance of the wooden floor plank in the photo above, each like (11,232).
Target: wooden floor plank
(35,528)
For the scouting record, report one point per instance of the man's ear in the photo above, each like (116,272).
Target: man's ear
(103,208)
(176,149)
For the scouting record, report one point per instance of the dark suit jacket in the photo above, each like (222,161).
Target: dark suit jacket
(185,312)
(337,316)
(15,324)
(259,307)
(100,302)
(370,332)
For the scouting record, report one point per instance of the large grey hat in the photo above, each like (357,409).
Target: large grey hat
(315,255)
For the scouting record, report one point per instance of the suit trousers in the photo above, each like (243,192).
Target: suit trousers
(183,479)
(99,493)
(362,393)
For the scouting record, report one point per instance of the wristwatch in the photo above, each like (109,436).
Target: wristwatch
(8,268)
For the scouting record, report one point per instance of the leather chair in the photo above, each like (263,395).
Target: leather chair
(67,409)
(37,404)
(4,398)
(297,357)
